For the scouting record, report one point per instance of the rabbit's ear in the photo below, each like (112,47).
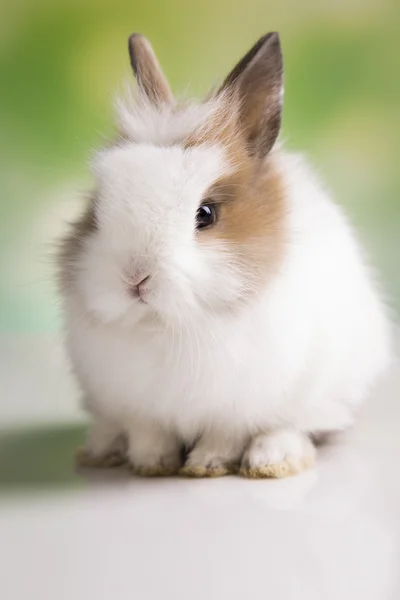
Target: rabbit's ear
(257,81)
(150,78)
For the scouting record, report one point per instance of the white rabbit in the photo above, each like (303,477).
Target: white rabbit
(219,313)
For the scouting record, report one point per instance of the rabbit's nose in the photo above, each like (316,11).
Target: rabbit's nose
(137,289)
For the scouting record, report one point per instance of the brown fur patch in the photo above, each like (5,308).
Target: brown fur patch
(222,126)
(71,246)
(251,216)
(250,200)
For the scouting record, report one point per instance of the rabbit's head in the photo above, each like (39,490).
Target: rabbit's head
(187,218)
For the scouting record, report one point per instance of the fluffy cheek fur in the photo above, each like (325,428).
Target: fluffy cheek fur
(195,279)
(203,277)
(99,281)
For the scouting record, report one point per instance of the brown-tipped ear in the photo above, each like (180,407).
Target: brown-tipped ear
(149,75)
(257,80)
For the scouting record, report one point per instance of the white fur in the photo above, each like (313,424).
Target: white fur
(140,120)
(302,355)
(287,451)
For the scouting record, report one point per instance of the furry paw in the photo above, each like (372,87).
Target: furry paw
(166,465)
(210,470)
(85,458)
(201,463)
(277,455)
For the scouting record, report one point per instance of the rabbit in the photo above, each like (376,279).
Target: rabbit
(219,312)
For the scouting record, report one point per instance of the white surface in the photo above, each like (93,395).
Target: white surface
(328,534)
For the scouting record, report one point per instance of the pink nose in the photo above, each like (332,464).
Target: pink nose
(137,288)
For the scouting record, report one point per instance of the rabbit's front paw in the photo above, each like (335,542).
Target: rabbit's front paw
(277,454)
(207,466)
(214,455)
(153,451)
(158,466)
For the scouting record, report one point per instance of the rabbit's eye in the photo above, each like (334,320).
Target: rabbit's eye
(206,216)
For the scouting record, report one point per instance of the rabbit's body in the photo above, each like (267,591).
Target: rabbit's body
(294,355)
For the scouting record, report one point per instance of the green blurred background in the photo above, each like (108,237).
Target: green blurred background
(61,60)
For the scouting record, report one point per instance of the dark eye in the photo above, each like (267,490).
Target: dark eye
(206,216)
